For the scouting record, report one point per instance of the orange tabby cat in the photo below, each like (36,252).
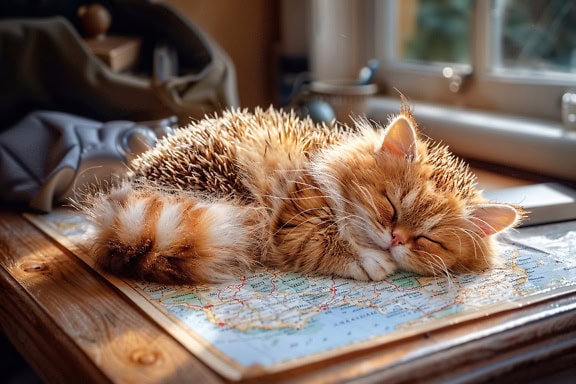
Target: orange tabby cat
(232,193)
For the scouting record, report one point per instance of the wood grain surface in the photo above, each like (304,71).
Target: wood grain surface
(72,326)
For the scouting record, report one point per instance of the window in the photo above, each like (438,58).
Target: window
(433,32)
(535,36)
(511,56)
(494,79)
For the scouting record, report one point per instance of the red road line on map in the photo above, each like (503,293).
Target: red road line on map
(397,287)
(334,291)
(429,314)
(272,283)
(238,288)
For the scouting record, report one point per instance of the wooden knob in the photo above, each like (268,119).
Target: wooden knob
(146,357)
(33,267)
(95,20)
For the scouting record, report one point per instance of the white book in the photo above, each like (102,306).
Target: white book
(545,203)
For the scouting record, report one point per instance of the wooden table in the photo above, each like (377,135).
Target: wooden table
(72,326)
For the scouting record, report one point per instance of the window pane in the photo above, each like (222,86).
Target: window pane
(434,30)
(538,34)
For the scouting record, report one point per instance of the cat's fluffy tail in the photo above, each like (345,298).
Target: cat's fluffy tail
(146,233)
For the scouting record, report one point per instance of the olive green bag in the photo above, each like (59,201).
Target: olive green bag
(66,117)
(45,64)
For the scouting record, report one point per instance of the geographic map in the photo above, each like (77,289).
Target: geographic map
(273,320)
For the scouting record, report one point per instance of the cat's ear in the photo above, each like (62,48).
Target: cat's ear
(400,138)
(491,218)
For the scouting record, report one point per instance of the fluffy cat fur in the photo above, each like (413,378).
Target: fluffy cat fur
(231,193)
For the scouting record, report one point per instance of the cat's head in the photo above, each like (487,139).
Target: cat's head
(413,201)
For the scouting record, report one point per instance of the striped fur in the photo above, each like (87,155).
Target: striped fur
(236,192)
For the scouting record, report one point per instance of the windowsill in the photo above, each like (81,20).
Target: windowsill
(531,145)
(488,180)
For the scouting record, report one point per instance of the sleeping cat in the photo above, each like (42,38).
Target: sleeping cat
(235,192)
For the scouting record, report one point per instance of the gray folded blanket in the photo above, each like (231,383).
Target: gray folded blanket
(49,156)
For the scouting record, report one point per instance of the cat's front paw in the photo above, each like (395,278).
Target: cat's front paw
(372,265)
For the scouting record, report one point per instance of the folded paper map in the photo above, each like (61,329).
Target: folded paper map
(271,321)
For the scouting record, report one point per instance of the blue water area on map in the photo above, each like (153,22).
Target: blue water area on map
(271,317)
(333,328)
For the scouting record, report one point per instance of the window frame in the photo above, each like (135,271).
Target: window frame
(494,126)
(489,87)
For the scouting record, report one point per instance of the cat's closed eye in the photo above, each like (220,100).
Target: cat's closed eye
(425,238)
(394,217)
(386,213)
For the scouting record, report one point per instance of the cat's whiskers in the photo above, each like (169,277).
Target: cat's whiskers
(473,236)
(344,215)
(304,198)
(437,264)
(310,187)
(485,223)
(476,243)
(454,231)
(367,196)
(332,220)
(340,219)
(339,197)
(318,174)
(342,199)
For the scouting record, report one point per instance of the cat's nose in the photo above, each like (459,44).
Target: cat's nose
(397,239)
